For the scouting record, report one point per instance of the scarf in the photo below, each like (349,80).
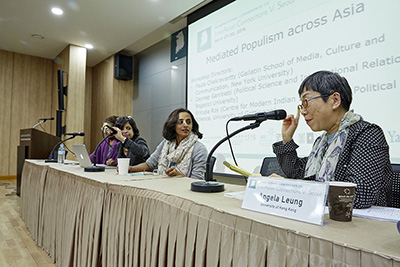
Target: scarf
(324,157)
(181,154)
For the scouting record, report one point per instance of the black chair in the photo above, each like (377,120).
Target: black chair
(271,165)
(396,186)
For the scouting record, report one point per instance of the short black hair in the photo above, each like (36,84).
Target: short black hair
(169,131)
(327,83)
(120,122)
(111,120)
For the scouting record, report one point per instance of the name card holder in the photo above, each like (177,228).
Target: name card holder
(294,199)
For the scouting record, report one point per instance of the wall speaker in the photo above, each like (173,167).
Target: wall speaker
(123,66)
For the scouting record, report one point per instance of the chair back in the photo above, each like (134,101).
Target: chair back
(396,186)
(271,165)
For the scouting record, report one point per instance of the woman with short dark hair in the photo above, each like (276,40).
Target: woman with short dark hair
(349,150)
(180,153)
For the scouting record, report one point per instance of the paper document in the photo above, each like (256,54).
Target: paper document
(378,213)
(239,170)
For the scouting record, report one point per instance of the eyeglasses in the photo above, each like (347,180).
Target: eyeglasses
(304,102)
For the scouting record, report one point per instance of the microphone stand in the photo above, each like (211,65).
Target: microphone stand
(42,121)
(37,124)
(210,185)
(95,168)
(53,159)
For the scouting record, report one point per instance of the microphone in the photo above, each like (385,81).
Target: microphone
(95,168)
(42,121)
(278,114)
(75,134)
(47,119)
(111,129)
(53,154)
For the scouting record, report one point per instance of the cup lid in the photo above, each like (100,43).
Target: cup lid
(343,184)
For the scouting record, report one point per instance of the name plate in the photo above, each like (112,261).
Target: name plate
(289,198)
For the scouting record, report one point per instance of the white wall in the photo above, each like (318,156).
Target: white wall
(158,89)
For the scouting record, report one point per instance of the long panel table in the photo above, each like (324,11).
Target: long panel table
(93,219)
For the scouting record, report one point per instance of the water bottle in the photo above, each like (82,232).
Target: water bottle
(61,154)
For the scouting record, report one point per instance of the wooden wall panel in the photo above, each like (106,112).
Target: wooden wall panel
(88,108)
(75,108)
(122,97)
(6,76)
(31,98)
(110,97)
(28,91)
(102,98)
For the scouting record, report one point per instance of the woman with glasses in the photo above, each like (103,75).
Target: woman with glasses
(131,144)
(350,149)
(180,153)
(107,151)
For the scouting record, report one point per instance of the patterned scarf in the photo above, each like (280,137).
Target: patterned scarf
(181,155)
(324,157)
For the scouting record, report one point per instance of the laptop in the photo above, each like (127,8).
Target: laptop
(84,159)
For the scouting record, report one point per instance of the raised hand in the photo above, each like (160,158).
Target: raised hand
(289,126)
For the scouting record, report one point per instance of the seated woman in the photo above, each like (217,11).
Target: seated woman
(131,144)
(107,151)
(180,153)
(350,149)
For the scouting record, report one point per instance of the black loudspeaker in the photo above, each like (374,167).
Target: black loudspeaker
(123,67)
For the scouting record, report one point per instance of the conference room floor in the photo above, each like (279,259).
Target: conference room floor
(17,248)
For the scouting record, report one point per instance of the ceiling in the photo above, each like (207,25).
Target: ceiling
(110,26)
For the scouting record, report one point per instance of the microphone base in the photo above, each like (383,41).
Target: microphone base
(95,169)
(51,161)
(207,187)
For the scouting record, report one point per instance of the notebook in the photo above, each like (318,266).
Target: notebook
(239,170)
(83,157)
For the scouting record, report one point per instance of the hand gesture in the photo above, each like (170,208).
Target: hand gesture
(289,126)
(111,162)
(119,135)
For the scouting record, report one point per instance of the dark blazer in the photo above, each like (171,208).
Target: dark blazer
(364,160)
(138,150)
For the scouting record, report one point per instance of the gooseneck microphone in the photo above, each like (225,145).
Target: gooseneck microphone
(47,119)
(75,134)
(278,114)
(53,158)
(113,131)
(43,120)
(95,168)
(210,185)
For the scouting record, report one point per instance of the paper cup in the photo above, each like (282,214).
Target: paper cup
(123,165)
(340,200)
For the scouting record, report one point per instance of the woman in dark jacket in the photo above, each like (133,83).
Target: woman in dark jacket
(131,144)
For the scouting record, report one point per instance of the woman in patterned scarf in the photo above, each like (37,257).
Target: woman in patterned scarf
(180,153)
(350,149)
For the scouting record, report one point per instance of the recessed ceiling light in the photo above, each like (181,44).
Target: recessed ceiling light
(37,36)
(57,11)
(174,67)
(88,46)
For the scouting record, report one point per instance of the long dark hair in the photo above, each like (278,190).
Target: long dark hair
(169,132)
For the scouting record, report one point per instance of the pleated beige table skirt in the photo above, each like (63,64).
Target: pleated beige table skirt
(104,219)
